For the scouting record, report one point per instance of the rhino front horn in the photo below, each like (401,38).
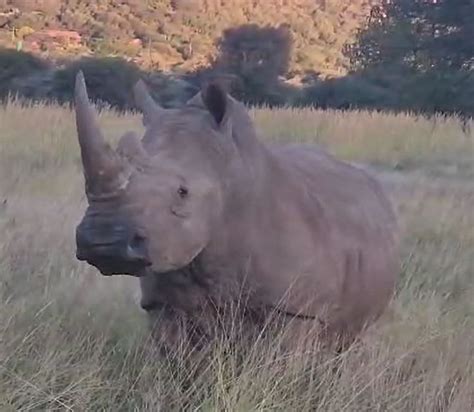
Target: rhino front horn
(103,169)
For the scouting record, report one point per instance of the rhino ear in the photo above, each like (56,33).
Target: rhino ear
(216,101)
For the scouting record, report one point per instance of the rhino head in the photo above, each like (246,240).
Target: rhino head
(152,203)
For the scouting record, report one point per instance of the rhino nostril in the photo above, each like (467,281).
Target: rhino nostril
(149,306)
(137,241)
(136,248)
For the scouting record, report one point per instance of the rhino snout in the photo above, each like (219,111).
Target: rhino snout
(113,249)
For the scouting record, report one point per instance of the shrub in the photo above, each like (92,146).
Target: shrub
(437,92)
(110,80)
(14,65)
(349,92)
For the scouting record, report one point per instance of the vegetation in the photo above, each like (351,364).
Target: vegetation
(73,340)
(422,54)
(182,34)
(401,55)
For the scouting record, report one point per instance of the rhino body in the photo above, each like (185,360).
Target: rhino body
(209,216)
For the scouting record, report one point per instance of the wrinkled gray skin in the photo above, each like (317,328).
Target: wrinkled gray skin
(207,215)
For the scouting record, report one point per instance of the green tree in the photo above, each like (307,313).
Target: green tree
(423,52)
(420,35)
(452,42)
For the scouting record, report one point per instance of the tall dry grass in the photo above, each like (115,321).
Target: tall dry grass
(73,340)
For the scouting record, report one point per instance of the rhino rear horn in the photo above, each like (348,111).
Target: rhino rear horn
(102,166)
(145,102)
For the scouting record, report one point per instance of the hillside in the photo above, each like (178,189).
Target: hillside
(180,35)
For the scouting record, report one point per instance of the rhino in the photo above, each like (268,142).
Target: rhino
(207,214)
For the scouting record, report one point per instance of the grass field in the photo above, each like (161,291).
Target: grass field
(73,340)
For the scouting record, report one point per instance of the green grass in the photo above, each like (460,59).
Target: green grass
(73,340)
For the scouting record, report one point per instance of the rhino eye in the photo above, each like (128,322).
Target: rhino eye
(183,192)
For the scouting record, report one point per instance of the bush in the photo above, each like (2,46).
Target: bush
(348,92)
(15,65)
(109,80)
(436,92)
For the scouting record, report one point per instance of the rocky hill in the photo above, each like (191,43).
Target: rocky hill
(181,35)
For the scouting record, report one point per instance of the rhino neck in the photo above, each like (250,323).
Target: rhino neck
(228,258)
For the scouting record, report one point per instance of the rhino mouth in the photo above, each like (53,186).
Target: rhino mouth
(110,265)
(109,268)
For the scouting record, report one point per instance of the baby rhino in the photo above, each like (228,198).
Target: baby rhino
(209,217)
